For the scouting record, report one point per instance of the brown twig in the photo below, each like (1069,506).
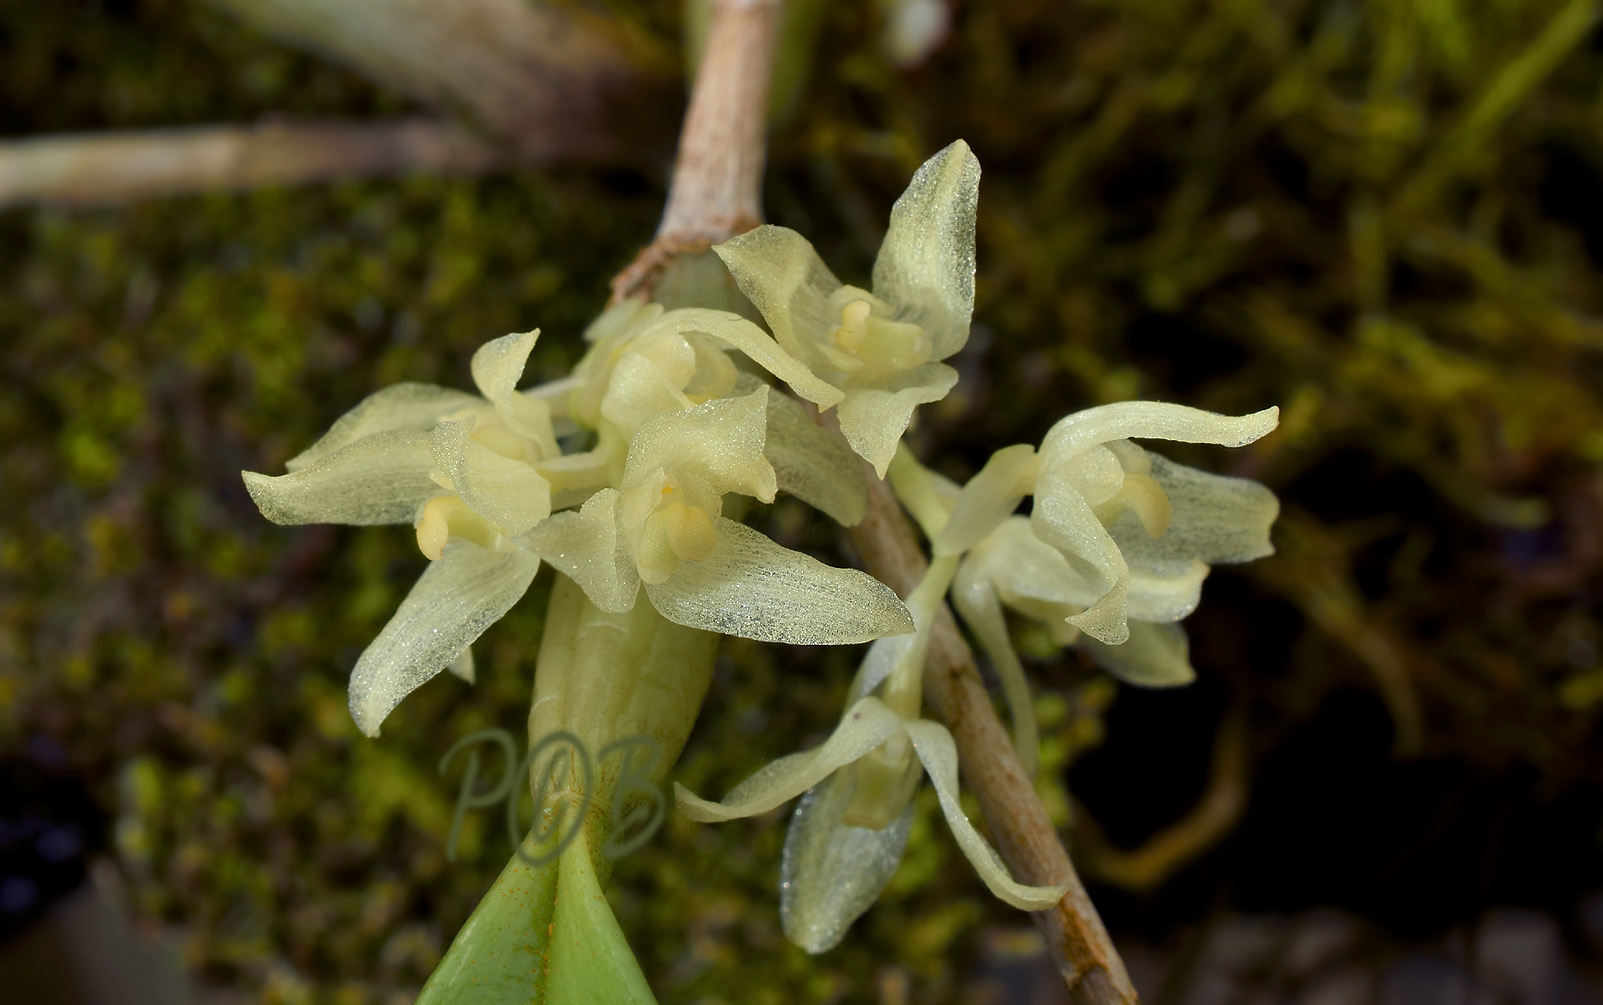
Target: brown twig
(1091,968)
(716,191)
(714,195)
(543,80)
(90,169)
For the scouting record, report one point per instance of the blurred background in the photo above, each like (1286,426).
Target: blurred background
(1386,217)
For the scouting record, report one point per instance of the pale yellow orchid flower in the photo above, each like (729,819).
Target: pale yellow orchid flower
(465,469)
(663,529)
(878,352)
(850,829)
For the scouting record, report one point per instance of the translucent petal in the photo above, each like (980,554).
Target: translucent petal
(721,441)
(1064,520)
(990,497)
(780,273)
(462,666)
(507,492)
(382,478)
(638,390)
(1213,518)
(831,873)
(1028,573)
(873,421)
(778,358)
(1156,655)
(976,600)
(497,368)
(904,654)
(756,589)
(927,496)
(866,725)
(935,748)
(618,319)
(400,406)
(587,547)
(813,465)
(1154,420)
(1167,595)
(573,477)
(926,263)
(466,591)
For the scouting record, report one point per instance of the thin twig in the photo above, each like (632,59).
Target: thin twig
(715,195)
(716,191)
(1091,968)
(105,168)
(543,80)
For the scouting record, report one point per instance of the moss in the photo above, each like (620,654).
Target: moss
(1381,216)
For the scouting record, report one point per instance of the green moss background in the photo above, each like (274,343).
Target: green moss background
(1386,217)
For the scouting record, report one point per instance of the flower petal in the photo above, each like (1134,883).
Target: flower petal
(1063,519)
(720,441)
(1166,595)
(381,478)
(505,491)
(586,546)
(865,726)
(781,274)
(935,748)
(813,465)
(756,589)
(975,598)
(401,406)
(873,420)
(903,655)
(1030,575)
(777,358)
(638,390)
(926,262)
(458,596)
(497,368)
(462,666)
(1156,655)
(1213,518)
(831,873)
(1154,420)
(989,498)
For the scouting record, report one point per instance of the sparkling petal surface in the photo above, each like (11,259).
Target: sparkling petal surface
(756,589)
(382,478)
(935,748)
(830,873)
(866,725)
(925,266)
(458,596)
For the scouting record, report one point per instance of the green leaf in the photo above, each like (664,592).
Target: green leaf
(541,935)
(590,959)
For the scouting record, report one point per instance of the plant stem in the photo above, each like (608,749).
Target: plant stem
(716,190)
(715,195)
(97,169)
(1085,957)
(539,79)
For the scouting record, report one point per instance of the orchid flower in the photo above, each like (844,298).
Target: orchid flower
(850,828)
(1115,550)
(466,471)
(663,528)
(877,353)
(646,362)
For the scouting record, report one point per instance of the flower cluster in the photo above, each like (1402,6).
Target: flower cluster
(670,427)
(1112,555)
(628,477)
